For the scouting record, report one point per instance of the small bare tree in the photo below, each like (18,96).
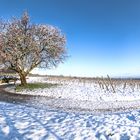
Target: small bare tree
(24,46)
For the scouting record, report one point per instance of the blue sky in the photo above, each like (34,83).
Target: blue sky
(103,36)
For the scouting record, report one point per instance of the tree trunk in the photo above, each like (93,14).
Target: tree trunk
(23,79)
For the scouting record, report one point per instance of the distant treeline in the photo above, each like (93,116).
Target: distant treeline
(85,78)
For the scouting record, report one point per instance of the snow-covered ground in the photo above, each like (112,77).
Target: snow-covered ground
(26,121)
(79,91)
(21,122)
(87,96)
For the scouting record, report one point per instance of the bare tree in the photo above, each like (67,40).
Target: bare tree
(24,46)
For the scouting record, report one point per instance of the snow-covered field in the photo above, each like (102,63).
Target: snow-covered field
(20,122)
(23,121)
(89,95)
(87,91)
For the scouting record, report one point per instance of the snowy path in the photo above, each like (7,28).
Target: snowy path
(24,122)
